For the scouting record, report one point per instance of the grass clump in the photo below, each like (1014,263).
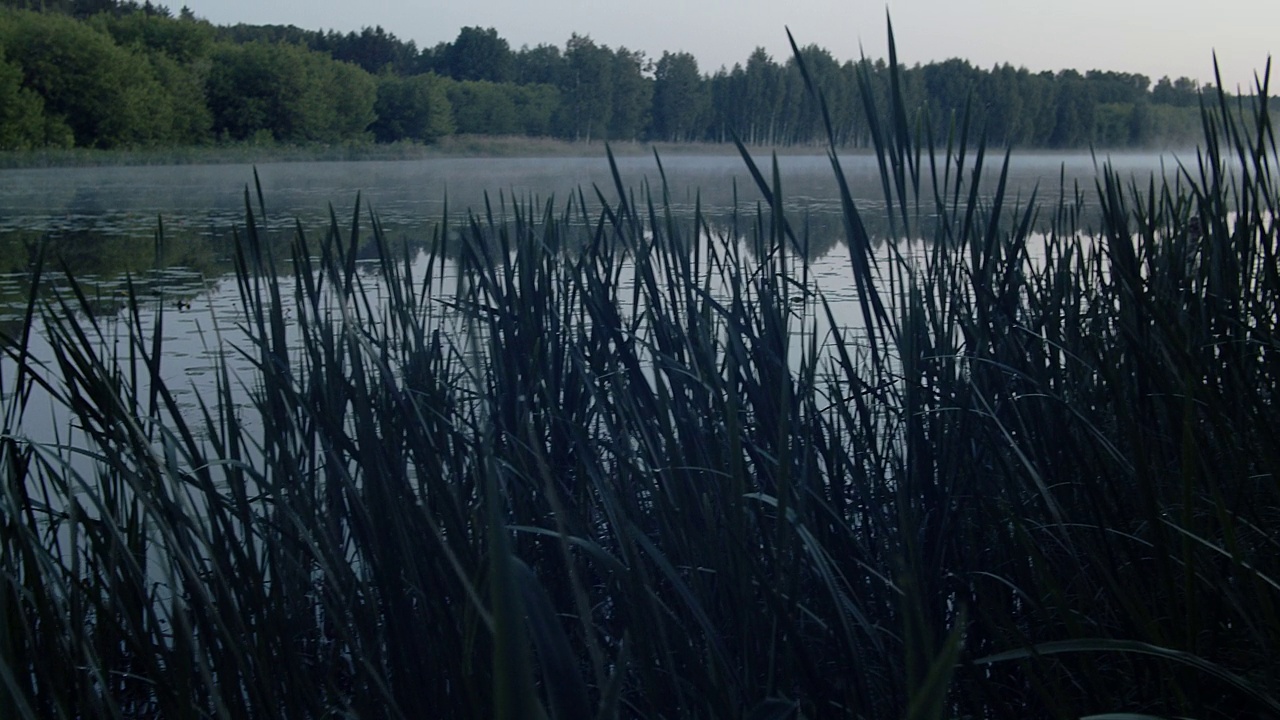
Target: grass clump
(608,462)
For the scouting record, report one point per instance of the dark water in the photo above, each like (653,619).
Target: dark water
(103,223)
(409,196)
(105,226)
(171,229)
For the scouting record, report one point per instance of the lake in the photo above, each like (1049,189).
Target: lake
(102,222)
(408,196)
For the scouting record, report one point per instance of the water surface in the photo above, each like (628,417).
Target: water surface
(103,225)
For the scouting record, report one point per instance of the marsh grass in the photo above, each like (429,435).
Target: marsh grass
(594,463)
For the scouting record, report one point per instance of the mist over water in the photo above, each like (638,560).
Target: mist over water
(408,195)
(102,222)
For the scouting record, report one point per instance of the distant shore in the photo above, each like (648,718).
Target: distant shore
(478,146)
(452,146)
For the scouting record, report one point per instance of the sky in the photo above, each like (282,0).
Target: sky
(1151,37)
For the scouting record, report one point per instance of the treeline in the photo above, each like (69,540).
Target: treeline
(102,73)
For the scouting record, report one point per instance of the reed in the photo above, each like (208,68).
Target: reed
(589,459)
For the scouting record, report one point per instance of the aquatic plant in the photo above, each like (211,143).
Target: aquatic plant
(581,463)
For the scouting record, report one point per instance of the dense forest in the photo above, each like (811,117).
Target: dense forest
(109,74)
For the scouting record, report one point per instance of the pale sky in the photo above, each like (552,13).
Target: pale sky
(1152,37)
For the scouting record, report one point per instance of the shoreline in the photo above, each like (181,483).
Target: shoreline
(453,146)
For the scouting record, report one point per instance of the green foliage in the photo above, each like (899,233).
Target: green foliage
(296,95)
(1007,112)
(1116,87)
(346,96)
(749,100)
(252,87)
(107,95)
(536,106)
(22,120)
(1183,92)
(373,49)
(184,84)
(767,103)
(949,86)
(680,99)
(184,40)
(1178,124)
(483,108)
(542,65)
(147,77)
(478,54)
(632,95)
(412,108)
(78,8)
(486,108)
(241,34)
(1074,112)
(586,89)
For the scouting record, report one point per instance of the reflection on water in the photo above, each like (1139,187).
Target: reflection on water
(103,223)
(165,236)
(406,193)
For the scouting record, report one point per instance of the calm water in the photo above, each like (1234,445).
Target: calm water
(408,196)
(102,222)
